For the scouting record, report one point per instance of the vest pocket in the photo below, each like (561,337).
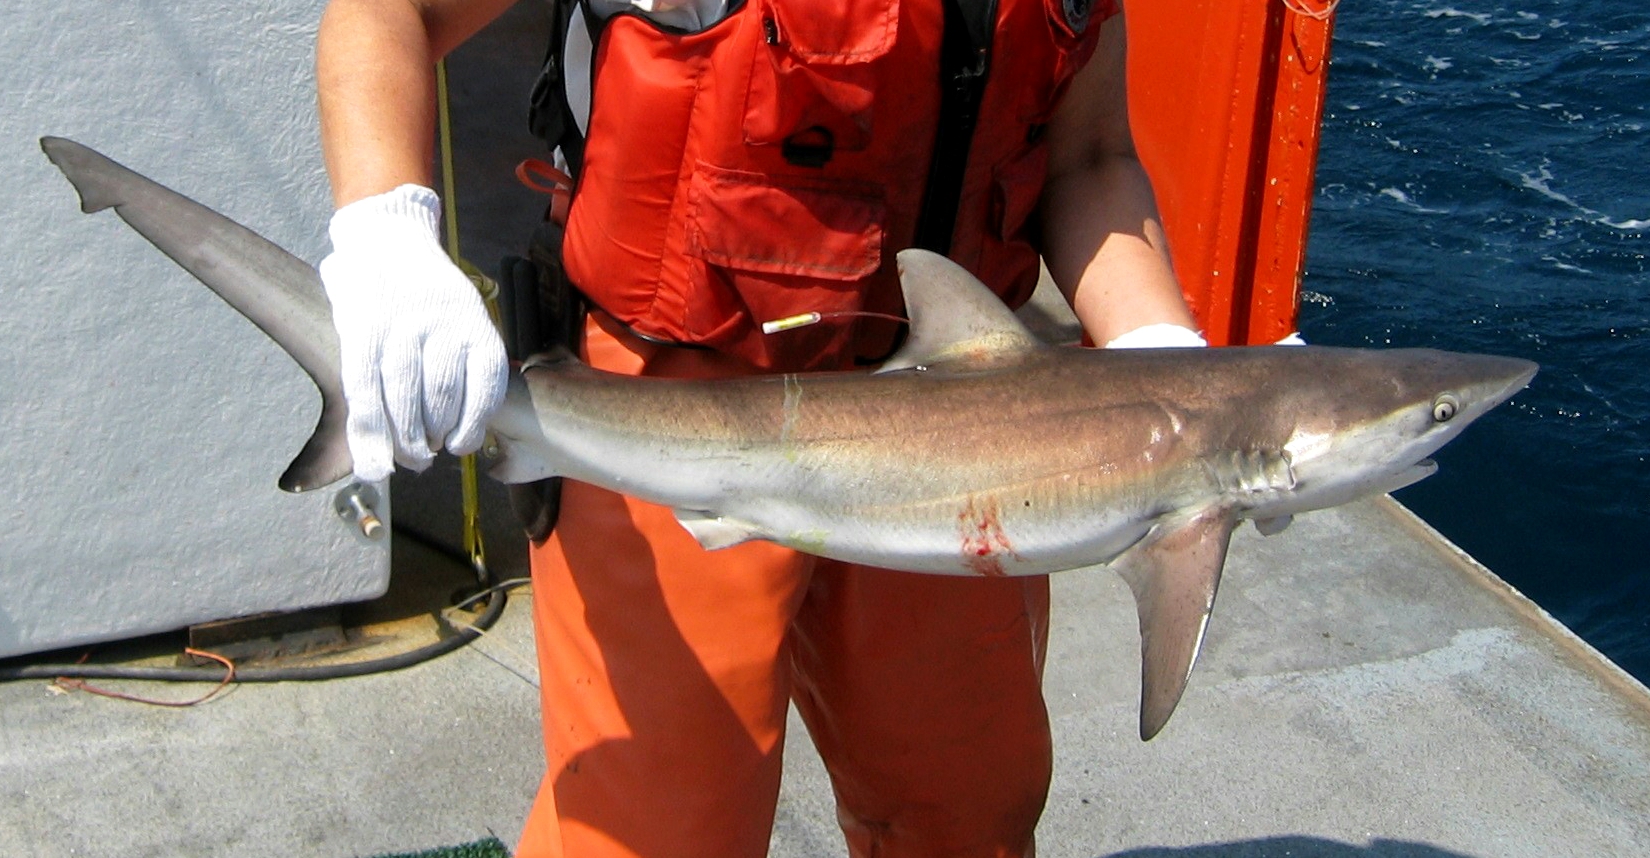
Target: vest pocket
(813,81)
(785,225)
(769,247)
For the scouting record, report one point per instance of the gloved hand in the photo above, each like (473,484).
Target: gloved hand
(1163,335)
(423,366)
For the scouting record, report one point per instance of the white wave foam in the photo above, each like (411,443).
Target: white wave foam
(1604,44)
(1540,183)
(1564,266)
(1403,198)
(1481,18)
(1437,64)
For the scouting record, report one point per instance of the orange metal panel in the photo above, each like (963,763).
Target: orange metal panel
(1226,97)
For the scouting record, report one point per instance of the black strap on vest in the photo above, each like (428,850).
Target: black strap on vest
(965,59)
(549,117)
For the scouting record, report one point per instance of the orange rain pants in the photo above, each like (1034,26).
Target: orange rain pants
(666,672)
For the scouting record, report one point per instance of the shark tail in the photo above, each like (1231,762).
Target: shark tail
(277,291)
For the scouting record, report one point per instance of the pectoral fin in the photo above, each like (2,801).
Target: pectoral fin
(1273,526)
(714,531)
(1174,574)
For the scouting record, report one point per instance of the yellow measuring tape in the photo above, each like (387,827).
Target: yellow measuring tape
(489,294)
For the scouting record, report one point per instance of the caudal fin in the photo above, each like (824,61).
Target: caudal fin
(277,291)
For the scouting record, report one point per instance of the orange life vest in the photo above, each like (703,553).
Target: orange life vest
(774,163)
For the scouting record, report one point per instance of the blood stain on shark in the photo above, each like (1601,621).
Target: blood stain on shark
(984,542)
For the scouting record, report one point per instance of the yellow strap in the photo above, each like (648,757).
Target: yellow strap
(489,294)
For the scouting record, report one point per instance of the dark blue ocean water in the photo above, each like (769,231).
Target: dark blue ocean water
(1484,185)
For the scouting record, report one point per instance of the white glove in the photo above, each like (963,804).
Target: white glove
(1163,335)
(423,366)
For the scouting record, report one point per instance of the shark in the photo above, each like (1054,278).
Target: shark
(975,450)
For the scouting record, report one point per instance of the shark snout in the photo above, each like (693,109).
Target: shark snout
(1499,379)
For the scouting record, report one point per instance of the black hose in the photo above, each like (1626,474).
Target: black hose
(462,636)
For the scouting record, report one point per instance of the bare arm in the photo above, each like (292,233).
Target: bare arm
(1103,241)
(423,367)
(375,78)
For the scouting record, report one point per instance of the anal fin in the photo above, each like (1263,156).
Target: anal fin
(1174,574)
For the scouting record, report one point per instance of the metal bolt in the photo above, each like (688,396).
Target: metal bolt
(355,505)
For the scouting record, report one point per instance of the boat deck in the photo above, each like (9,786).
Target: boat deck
(1366,690)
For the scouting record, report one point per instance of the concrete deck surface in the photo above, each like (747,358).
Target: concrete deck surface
(1366,691)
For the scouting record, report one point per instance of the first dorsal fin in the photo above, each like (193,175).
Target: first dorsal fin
(955,320)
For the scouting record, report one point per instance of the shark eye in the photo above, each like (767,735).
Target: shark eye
(1444,407)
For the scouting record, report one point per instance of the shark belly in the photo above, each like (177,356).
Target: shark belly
(1013,527)
(970,536)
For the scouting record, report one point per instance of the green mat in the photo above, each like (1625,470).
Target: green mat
(492,847)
